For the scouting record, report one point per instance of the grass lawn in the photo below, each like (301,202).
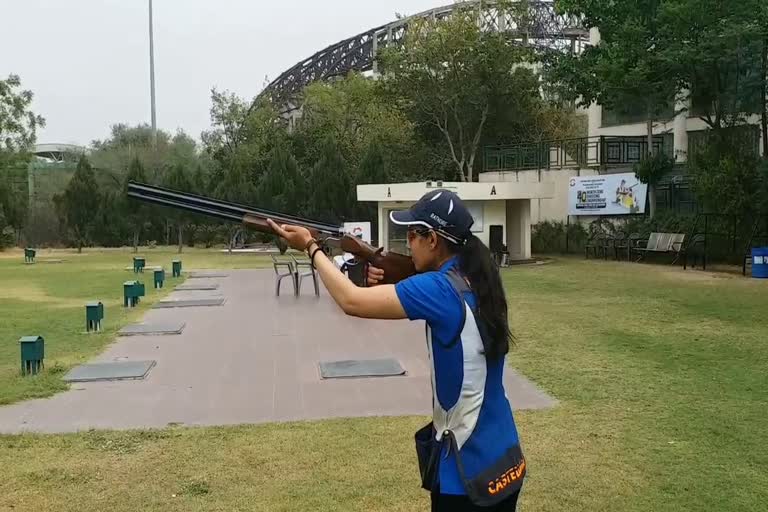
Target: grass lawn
(662,377)
(49,299)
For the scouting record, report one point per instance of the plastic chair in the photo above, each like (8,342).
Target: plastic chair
(305,263)
(290,272)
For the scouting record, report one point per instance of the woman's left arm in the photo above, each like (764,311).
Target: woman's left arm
(374,302)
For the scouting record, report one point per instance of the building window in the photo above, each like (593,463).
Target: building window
(476,210)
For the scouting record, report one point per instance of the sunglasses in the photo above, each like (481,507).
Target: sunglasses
(413,233)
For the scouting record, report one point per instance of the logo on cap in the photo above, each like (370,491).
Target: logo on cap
(437,219)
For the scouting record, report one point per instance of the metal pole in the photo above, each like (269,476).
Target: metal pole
(152,75)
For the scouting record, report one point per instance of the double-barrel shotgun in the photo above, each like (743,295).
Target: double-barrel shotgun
(396,266)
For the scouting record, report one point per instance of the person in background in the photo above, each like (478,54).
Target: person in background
(470,457)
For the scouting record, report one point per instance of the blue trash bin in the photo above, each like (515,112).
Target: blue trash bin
(760,262)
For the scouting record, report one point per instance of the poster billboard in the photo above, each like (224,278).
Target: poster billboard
(609,194)
(359,229)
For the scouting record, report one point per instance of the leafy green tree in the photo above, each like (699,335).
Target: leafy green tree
(128,143)
(18,124)
(177,179)
(282,187)
(650,171)
(80,202)
(242,136)
(18,132)
(716,51)
(626,71)
(136,212)
(452,77)
(332,197)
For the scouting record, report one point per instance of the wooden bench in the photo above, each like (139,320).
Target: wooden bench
(663,243)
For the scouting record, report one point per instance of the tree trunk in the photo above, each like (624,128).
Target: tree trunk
(764,77)
(651,188)
(167,232)
(649,133)
(135,241)
(181,237)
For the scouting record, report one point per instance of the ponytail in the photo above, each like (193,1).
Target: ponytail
(476,263)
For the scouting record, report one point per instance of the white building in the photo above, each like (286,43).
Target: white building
(502,210)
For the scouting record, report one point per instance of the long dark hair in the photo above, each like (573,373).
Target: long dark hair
(477,265)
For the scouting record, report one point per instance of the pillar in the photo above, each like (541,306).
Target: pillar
(383,231)
(595,112)
(519,229)
(681,128)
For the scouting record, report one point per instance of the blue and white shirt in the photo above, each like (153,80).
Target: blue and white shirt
(468,390)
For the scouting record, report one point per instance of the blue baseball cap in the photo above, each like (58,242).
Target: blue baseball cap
(442,211)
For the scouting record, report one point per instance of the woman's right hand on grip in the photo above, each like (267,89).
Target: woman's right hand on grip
(375,275)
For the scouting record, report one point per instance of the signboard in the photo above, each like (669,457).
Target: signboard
(359,229)
(609,194)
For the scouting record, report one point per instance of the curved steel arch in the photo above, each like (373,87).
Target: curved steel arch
(546,28)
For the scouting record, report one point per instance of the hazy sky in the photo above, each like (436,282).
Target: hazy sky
(87,61)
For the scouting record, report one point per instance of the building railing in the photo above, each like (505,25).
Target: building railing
(596,152)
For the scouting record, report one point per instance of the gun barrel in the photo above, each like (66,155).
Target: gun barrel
(220,209)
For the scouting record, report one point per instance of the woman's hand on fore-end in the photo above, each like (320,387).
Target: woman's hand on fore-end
(375,275)
(297,236)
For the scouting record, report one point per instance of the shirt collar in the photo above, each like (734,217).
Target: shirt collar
(445,267)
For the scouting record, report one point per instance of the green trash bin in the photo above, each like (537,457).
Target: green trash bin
(32,354)
(29,255)
(94,314)
(138,265)
(176,268)
(132,293)
(159,278)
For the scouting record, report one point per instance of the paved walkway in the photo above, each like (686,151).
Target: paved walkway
(254,359)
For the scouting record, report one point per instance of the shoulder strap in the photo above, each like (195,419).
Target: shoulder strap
(460,286)
(458,282)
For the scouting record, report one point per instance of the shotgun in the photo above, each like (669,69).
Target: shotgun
(396,266)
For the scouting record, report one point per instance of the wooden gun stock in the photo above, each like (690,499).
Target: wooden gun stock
(396,267)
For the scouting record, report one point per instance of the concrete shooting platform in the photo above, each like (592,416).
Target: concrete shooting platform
(197,287)
(206,275)
(190,303)
(116,370)
(156,329)
(255,359)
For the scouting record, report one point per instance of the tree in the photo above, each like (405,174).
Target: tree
(457,79)
(651,170)
(135,211)
(80,201)
(626,71)
(242,136)
(18,124)
(331,199)
(282,187)
(14,206)
(129,143)
(177,179)
(716,52)
(732,183)
(18,132)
